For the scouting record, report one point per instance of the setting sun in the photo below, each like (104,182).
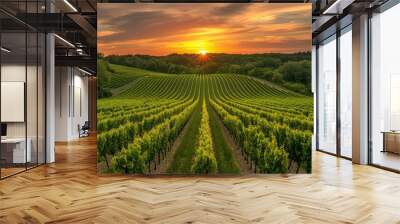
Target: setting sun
(203,52)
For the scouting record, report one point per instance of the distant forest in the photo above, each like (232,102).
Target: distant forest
(292,71)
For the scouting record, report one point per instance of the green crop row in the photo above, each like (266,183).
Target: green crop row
(115,122)
(204,159)
(296,143)
(260,150)
(112,141)
(143,151)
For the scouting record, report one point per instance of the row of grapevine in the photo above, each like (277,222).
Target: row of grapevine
(170,87)
(292,122)
(296,143)
(271,126)
(234,90)
(112,141)
(303,111)
(261,151)
(138,107)
(144,150)
(281,105)
(110,106)
(115,122)
(204,160)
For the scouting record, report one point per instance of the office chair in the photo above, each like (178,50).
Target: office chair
(84,130)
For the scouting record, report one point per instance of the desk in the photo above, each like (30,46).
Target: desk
(391,141)
(13,150)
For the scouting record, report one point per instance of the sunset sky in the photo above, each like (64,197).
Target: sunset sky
(242,28)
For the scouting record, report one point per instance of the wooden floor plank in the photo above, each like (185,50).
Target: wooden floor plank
(70,191)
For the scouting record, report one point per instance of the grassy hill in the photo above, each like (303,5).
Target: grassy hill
(292,70)
(120,78)
(115,78)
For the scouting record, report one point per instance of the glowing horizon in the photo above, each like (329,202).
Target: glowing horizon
(231,28)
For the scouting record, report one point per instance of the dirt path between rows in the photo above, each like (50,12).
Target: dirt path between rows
(163,166)
(237,155)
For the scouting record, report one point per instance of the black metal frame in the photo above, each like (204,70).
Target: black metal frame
(338,74)
(369,90)
(317,97)
(26,92)
(44,80)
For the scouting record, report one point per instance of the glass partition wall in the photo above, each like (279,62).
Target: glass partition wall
(22,77)
(334,86)
(345,91)
(385,89)
(13,86)
(327,95)
(334,111)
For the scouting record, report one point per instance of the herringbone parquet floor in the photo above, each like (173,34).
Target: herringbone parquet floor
(70,191)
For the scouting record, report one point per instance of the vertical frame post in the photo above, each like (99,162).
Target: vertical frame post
(338,73)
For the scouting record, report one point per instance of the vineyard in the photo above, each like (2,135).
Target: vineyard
(202,124)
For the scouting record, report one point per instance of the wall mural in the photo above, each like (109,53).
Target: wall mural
(208,89)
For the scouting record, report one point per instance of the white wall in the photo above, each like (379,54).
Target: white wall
(62,82)
(81,94)
(71,94)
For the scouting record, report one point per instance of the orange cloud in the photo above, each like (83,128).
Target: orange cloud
(105,33)
(244,28)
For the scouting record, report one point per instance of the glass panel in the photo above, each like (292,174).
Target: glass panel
(31,98)
(327,96)
(41,99)
(32,88)
(14,151)
(346,92)
(23,88)
(385,89)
